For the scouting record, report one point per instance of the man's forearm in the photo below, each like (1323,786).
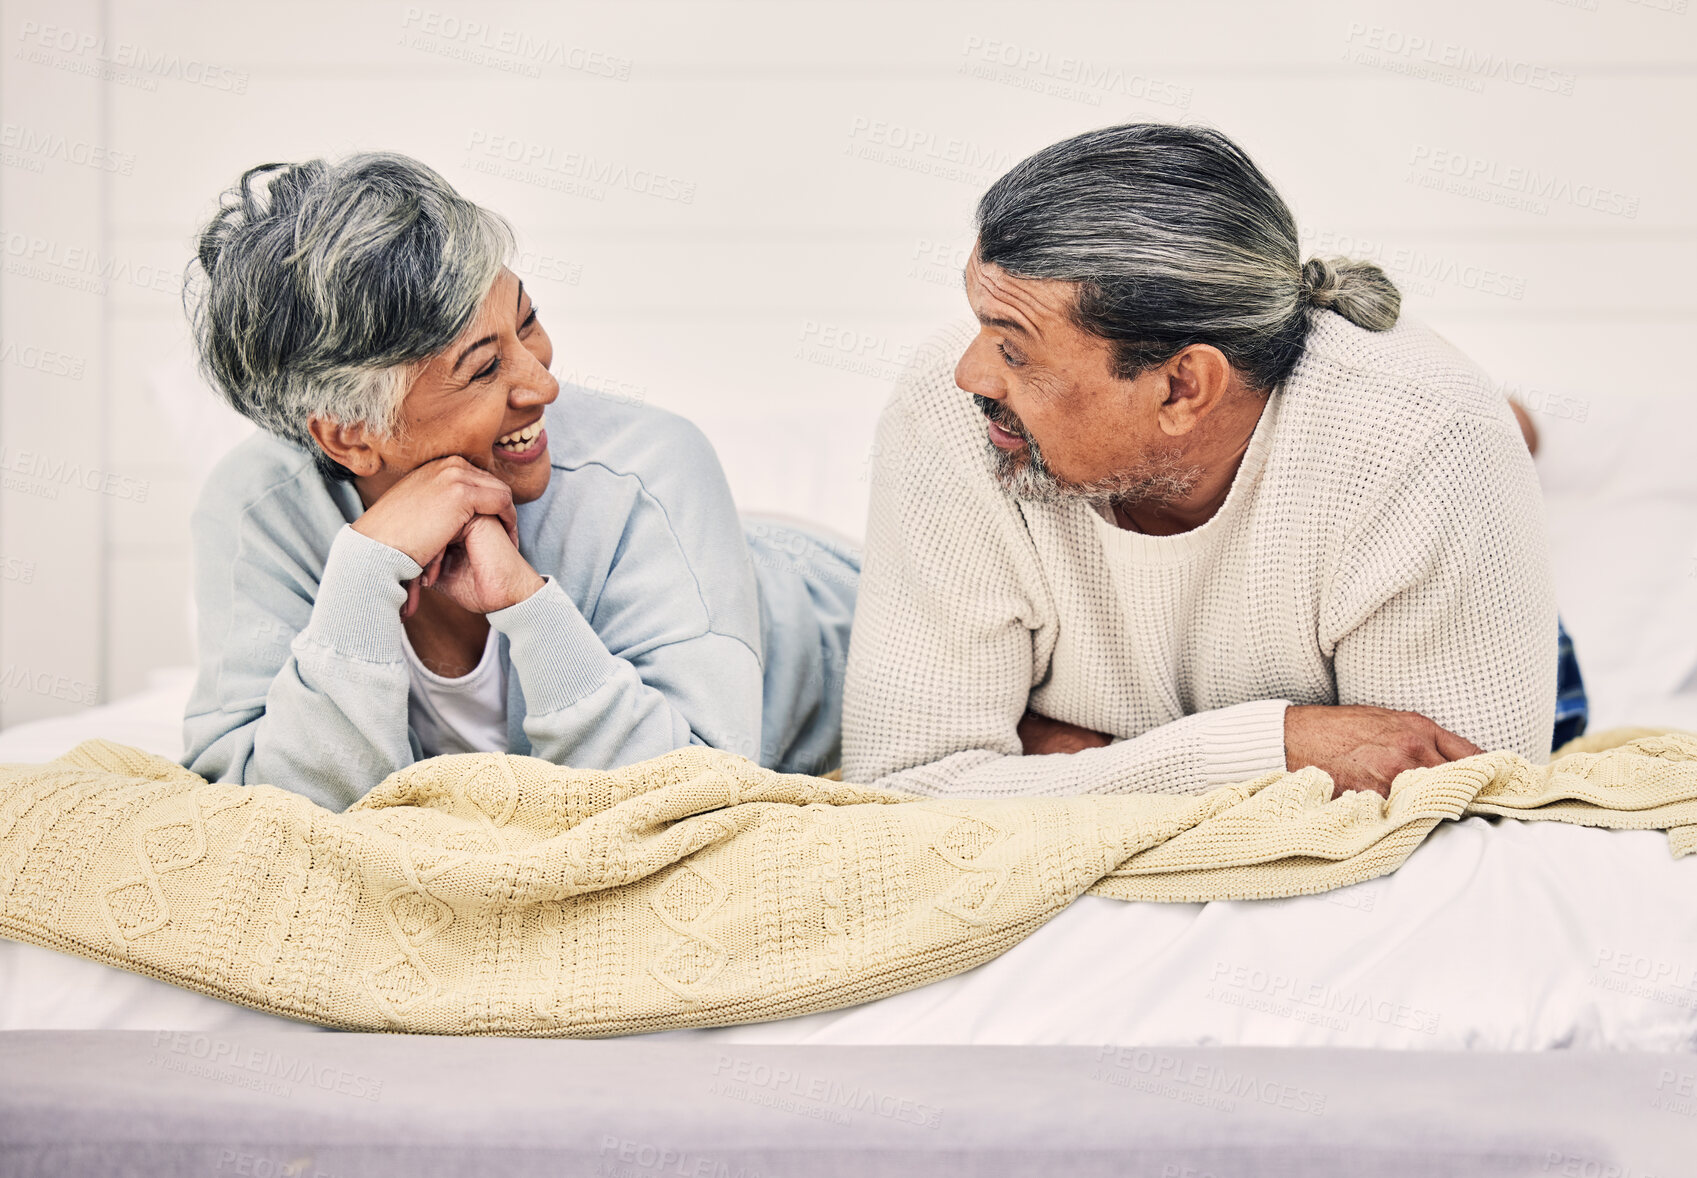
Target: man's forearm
(1187,756)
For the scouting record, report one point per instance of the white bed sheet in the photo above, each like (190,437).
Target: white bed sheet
(1495,935)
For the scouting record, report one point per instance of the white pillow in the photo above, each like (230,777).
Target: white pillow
(1620,492)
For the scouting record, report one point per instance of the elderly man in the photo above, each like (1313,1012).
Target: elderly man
(1186,510)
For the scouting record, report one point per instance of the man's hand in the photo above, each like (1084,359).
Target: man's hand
(1039,735)
(434,508)
(1365,747)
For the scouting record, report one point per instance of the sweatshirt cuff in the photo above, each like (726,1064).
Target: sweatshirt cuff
(1244,741)
(357,612)
(557,654)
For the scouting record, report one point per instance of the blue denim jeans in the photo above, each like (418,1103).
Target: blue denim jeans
(1572,709)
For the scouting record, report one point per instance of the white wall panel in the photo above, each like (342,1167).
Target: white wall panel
(819,162)
(58,478)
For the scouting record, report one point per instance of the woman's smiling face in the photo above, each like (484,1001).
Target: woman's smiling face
(490,384)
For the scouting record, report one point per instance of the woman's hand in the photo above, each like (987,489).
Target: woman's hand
(424,512)
(431,510)
(481,570)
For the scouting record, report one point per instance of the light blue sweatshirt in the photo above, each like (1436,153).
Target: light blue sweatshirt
(666,620)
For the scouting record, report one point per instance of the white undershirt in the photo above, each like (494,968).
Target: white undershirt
(464,715)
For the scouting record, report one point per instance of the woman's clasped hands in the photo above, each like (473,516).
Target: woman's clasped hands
(459,523)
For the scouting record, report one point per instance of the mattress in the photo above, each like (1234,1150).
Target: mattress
(1495,935)
(270,1105)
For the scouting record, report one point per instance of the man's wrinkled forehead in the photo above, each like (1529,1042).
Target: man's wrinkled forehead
(1022,307)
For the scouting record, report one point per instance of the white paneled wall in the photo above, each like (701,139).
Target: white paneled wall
(749,212)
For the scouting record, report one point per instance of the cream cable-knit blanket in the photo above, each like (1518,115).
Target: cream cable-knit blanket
(495,894)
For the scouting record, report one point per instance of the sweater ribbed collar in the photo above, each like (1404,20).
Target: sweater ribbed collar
(1184,546)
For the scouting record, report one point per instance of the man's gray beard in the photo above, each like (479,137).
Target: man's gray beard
(1156,481)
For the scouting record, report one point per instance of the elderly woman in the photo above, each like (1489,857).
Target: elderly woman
(433,547)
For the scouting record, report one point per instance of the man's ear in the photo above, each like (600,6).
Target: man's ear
(353,446)
(1197,381)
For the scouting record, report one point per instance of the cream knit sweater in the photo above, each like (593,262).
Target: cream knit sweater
(1382,543)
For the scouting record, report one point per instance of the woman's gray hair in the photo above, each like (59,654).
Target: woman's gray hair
(1175,238)
(317,286)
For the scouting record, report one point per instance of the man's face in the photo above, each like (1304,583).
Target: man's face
(1060,425)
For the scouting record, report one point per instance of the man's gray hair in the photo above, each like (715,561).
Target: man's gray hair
(1175,238)
(317,286)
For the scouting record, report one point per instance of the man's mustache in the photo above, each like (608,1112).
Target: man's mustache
(1000,415)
